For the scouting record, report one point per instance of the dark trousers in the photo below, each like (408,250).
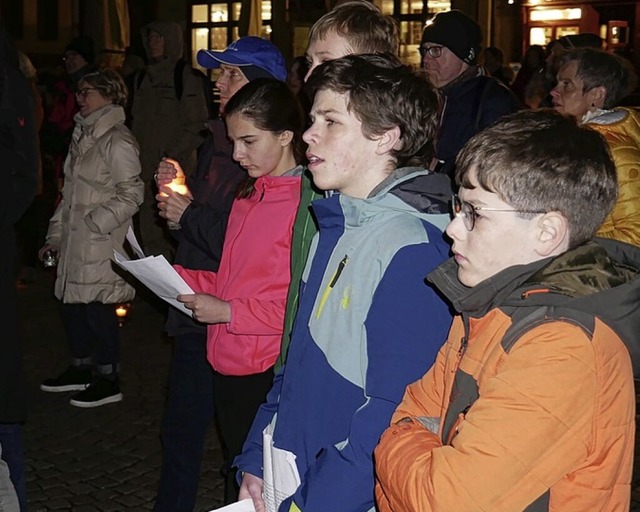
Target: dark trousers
(237,400)
(188,415)
(13,455)
(92,331)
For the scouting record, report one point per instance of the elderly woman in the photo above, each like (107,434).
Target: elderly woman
(590,84)
(102,191)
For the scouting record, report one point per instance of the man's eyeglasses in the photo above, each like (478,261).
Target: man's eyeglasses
(433,51)
(84,92)
(468,212)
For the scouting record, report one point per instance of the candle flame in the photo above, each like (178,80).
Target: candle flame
(179,188)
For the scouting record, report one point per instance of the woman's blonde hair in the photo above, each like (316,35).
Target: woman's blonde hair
(109,84)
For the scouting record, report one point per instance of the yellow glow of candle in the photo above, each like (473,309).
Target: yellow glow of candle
(180,189)
(121,311)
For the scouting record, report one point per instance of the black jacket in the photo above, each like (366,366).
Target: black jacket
(204,222)
(19,168)
(470,105)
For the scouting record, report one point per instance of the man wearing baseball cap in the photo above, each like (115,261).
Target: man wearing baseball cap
(471,101)
(202,215)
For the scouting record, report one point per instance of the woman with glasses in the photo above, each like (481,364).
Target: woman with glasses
(102,191)
(590,84)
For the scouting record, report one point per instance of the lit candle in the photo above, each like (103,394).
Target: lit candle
(121,312)
(179,188)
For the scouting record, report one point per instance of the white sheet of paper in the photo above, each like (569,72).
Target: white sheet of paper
(135,245)
(157,274)
(238,506)
(280,473)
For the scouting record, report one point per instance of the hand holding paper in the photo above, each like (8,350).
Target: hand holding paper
(207,308)
(251,488)
(238,506)
(155,273)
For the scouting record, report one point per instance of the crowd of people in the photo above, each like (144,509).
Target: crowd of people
(414,289)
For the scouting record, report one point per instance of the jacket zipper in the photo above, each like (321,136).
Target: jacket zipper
(464,342)
(331,285)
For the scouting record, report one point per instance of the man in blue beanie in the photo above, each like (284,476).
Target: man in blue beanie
(471,101)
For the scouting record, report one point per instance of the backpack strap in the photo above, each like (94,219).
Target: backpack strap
(140,74)
(178,78)
(465,391)
(525,319)
(481,101)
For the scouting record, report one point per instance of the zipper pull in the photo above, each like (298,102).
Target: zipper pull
(463,346)
(336,276)
(332,283)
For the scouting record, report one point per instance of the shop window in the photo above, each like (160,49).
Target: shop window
(412,15)
(214,25)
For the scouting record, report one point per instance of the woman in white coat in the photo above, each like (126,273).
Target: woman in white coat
(102,191)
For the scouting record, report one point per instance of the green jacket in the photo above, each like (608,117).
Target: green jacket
(304,229)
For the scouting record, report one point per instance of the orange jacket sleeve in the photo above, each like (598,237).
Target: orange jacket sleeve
(518,439)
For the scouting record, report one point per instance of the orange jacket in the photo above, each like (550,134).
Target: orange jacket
(553,419)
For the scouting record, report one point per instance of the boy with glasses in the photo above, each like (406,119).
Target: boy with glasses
(530,403)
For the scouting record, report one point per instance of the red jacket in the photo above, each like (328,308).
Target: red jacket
(253,277)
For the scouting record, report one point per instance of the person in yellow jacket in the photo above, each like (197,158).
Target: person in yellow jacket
(590,84)
(530,404)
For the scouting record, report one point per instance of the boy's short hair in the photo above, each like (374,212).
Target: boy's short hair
(384,93)
(599,68)
(362,24)
(542,160)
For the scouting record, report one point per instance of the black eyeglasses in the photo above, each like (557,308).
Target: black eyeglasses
(84,92)
(468,212)
(433,51)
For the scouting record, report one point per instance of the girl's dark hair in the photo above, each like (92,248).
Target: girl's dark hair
(271,106)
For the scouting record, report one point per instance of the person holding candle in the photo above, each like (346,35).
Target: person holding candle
(102,191)
(202,214)
(244,301)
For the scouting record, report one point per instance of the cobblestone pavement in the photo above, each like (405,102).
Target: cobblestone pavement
(108,458)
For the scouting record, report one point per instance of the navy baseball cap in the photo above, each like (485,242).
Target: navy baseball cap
(247,51)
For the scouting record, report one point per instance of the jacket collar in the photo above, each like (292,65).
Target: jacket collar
(356,212)
(599,266)
(99,122)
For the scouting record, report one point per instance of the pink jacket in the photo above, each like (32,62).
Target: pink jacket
(253,277)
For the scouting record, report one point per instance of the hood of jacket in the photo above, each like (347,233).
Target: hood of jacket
(408,189)
(173,40)
(600,277)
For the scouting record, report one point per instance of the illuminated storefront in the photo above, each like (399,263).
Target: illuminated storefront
(216,24)
(612,20)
